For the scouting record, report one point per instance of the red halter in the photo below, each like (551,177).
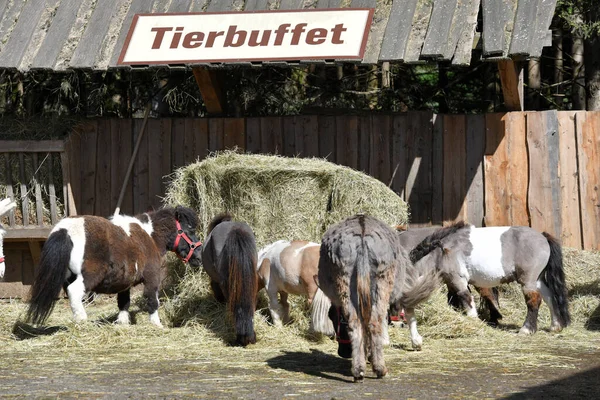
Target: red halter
(182,234)
(1,259)
(337,334)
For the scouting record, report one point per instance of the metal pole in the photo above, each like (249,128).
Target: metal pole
(132,160)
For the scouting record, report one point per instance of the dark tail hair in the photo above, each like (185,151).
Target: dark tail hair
(51,276)
(419,283)
(218,219)
(363,279)
(554,277)
(239,259)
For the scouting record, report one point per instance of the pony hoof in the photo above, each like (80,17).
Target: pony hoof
(123,318)
(525,331)
(556,328)
(382,373)
(360,378)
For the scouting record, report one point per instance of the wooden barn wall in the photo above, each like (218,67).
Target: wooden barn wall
(540,169)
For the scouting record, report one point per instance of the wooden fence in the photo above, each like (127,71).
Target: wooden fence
(522,168)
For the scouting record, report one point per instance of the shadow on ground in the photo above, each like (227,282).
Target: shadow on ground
(584,385)
(316,363)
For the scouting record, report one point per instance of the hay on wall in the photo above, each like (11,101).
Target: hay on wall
(281,197)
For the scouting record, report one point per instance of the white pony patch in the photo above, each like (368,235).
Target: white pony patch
(484,265)
(2,265)
(76,230)
(271,249)
(124,222)
(301,249)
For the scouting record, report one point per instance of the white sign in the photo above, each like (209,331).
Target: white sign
(247,36)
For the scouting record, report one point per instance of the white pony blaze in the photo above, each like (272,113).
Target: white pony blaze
(5,206)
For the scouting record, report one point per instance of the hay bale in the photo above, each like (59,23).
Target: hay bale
(281,197)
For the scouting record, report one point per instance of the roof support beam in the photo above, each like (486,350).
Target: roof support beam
(209,83)
(511,77)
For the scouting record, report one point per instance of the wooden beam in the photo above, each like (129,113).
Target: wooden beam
(511,77)
(210,88)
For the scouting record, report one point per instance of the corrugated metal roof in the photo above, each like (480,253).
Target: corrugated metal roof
(89,34)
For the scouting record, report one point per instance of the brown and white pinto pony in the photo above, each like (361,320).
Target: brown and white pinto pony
(5,206)
(94,254)
(288,267)
(363,269)
(229,258)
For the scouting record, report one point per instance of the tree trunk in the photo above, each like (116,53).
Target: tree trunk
(578,89)
(557,45)
(534,82)
(592,64)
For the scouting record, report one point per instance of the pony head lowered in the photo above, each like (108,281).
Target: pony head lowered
(5,206)
(89,253)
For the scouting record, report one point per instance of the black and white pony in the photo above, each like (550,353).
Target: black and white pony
(363,269)
(229,257)
(94,254)
(488,257)
(5,206)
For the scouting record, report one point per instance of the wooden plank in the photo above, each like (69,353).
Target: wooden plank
(299,137)
(89,138)
(198,5)
(104,157)
(209,84)
(253,5)
(569,184)
(177,127)
(39,204)
(30,146)
(96,30)
(374,149)
(136,7)
(511,78)
(378,25)
(418,31)
(189,141)
(234,132)
(24,192)
(220,5)
(52,189)
(73,167)
(329,3)
(475,145)
(437,169)
(496,14)
(160,6)
(291,4)
(9,187)
(215,134)
(30,233)
(327,133)
(544,209)
(141,197)
(458,24)
(253,143)
(588,142)
(524,27)
(289,136)
(340,140)
(518,167)
(542,34)
(35,249)
(22,33)
(14,262)
(310,124)
(438,31)
(399,157)
(121,139)
(10,16)
(352,143)
(495,166)
(466,37)
(418,168)
(364,138)
(397,30)
(179,6)
(201,139)
(454,185)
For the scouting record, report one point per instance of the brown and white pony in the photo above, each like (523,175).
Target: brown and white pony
(94,254)
(229,258)
(488,257)
(288,267)
(363,269)
(5,206)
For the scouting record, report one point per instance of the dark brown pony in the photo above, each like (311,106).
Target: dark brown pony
(229,257)
(94,254)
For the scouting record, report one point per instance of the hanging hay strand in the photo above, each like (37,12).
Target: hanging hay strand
(281,197)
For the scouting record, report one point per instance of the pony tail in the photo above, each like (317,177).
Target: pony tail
(319,314)
(54,263)
(554,277)
(239,259)
(419,283)
(363,283)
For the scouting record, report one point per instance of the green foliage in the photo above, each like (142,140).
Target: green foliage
(581,17)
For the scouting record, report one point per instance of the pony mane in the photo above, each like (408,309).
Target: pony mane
(434,241)
(225,216)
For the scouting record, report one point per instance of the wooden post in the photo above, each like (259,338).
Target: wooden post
(210,88)
(511,76)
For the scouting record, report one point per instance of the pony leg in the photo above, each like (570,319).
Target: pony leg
(283,296)
(415,338)
(378,337)
(217,291)
(533,300)
(359,363)
(490,298)
(274,306)
(151,295)
(76,292)
(123,300)
(555,325)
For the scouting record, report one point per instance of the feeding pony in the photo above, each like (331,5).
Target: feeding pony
(410,238)
(89,253)
(363,269)
(5,206)
(289,267)
(229,258)
(487,257)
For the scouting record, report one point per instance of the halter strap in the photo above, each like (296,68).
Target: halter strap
(2,259)
(337,333)
(182,234)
